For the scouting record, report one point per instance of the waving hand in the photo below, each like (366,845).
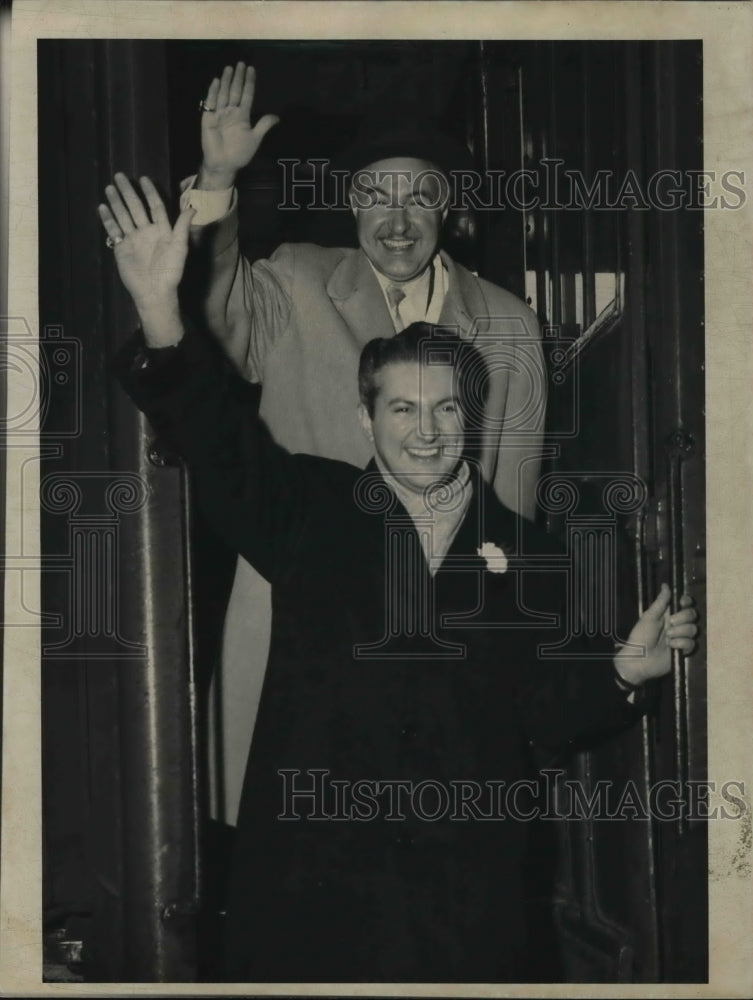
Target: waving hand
(150,254)
(228,140)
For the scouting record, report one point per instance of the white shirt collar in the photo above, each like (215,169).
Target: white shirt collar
(436,513)
(414,307)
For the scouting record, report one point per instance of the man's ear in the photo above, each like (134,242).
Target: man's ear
(365,421)
(361,193)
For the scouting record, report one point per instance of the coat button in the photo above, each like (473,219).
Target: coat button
(408,732)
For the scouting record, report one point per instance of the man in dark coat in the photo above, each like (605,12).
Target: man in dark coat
(389,790)
(296,322)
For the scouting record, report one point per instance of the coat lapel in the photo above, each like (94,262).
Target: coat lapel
(464,545)
(355,293)
(464,303)
(466,308)
(468,593)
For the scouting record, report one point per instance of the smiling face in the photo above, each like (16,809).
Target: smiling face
(417,426)
(399,205)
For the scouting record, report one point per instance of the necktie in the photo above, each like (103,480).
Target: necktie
(395,296)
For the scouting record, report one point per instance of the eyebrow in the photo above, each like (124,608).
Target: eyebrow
(412,402)
(375,188)
(380,189)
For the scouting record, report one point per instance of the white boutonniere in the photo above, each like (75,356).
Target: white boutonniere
(496,560)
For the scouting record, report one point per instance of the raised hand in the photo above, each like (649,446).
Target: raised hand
(150,254)
(228,141)
(659,632)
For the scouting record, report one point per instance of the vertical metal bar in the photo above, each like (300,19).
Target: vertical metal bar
(679,445)
(156,693)
(539,147)
(637,349)
(193,688)
(677,357)
(666,67)
(158,790)
(483,76)
(552,214)
(522,163)
(589,283)
(481,226)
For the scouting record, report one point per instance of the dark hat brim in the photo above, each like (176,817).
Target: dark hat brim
(405,140)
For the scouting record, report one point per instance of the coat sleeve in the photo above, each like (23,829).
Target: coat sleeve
(509,339)
(519,458)
(568,695)
(572,703)
(245,306)
(254,493)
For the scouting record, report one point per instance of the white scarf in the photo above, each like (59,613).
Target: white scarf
(436,512)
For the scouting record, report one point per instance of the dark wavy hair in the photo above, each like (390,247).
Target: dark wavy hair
(428,344)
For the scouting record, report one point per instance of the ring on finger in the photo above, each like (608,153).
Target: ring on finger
(203,106)
(112,241)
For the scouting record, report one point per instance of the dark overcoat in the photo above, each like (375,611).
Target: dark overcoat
(407,704)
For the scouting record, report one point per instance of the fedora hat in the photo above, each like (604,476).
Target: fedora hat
(381,138)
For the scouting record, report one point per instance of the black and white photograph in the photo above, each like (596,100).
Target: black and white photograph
(377,391)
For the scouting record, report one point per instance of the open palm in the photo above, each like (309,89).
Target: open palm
(227,139)
(150,254)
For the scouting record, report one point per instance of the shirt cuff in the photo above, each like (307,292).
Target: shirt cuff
(210,205)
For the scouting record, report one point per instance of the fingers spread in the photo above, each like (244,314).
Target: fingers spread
(224,88)
(132,200)
(118,209)
(247,94)
(211,99)
(155,203)
(236,84)
(182,225)
(112,228)
(264,125)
